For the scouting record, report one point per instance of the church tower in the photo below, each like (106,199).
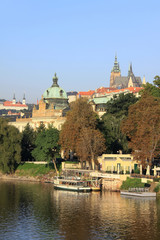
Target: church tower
(24,100)
(14,99)
(116,72)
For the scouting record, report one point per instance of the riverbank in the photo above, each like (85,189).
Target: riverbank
(31,172)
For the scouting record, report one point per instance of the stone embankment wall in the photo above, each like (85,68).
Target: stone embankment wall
(109,184)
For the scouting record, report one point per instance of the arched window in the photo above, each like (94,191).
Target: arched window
(61,93)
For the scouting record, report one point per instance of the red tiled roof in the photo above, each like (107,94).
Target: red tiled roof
(10,104)
(104,89)
(134,89)
(89,93)
(131,89)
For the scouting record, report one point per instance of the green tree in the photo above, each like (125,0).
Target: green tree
(10,147)
(27,143)
(116,111)
(152,89)
(119,105)
(115,139)
(47,147)
(80,117)
(142,126)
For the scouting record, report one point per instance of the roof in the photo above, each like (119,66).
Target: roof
(123,81)
(89,93)
(101,100)
(10,104)
(104,89)
(74,93)
(55,92)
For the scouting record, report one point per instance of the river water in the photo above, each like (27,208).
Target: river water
(37,211)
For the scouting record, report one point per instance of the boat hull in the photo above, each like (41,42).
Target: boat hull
(139,194)
(72,188)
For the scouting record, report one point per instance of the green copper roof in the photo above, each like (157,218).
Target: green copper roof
(116,67)
(55,91)
(100,100)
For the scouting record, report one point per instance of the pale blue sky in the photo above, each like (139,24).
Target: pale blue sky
(78,40)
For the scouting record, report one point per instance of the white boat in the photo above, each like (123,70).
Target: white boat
(71,185)
(139,194)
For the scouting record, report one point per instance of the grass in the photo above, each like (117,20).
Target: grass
(132,183)
(33,170)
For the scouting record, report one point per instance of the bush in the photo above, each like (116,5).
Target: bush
(156,179)
(157,188)
(132,183)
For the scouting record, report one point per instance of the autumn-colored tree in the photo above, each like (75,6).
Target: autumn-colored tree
(81,116)
(142,126)
(90,145)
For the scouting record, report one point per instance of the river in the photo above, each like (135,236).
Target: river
(37,211)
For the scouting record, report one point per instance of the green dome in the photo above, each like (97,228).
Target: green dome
(55,92)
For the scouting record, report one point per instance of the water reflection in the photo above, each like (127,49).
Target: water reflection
(37,211)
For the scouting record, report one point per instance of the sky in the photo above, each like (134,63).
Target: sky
(77,39)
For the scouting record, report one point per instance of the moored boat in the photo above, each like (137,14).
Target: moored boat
(139,194)
(71,185)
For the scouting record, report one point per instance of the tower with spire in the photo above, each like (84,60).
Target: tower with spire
(24,100)
(14,99)
(116,72)
(121,82)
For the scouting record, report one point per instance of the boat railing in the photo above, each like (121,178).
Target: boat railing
(138,189)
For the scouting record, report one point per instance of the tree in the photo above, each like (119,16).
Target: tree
(116,111)
(90,145)
(115,139)
(10,147)
(47,147)
(80,117)
(152,89)
(119,106)
(142,126)
(27,143)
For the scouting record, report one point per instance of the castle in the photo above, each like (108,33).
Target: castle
(121,82)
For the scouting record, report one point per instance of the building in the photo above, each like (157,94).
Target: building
(13,105)
(87,94)
(72,96)
(121,82)
(100,98)
(117,163)
(51,109)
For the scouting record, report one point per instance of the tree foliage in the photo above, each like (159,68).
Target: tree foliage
(80,121)
(118,106)
(142,126)
(10,147)
(46,145)
(90,145)
(117,110)
(27,143)
(115,139)
(152,89)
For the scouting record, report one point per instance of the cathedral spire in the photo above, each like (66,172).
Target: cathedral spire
(116,65)
(130,69)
